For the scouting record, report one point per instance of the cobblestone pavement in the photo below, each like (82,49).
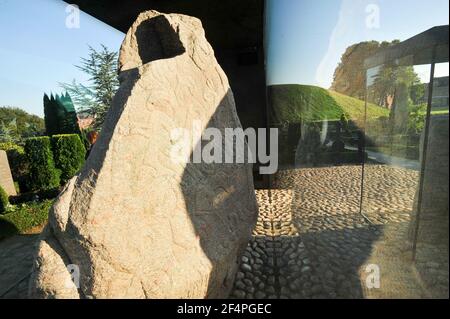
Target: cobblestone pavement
(311,241)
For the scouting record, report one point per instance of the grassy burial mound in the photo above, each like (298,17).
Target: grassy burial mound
(294,103)
(297,105)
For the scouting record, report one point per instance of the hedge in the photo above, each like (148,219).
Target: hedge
(43,174)
(69,153)
(17,161)
(4,201)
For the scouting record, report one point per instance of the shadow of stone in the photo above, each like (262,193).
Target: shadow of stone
(157,40)
(338,257)
(337,239)
(213,194)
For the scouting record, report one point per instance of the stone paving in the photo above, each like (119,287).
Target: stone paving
(16,259)
(311,230)
(310,240)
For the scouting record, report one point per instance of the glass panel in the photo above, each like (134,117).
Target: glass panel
(391,174)
(431,228)
(405,184)
(350,93)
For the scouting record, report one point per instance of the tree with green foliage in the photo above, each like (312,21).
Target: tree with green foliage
(8,132)
(16,124)
(4,200)
(60,115)
(416,118)
(43,174)
(69,153)
(418,93)
(350,75)
(390,78)
(96,97)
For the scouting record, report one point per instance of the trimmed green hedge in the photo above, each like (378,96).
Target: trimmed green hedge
(21,218)
(4,200)
(69,154)
(43,174)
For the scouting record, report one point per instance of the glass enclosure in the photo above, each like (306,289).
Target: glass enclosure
(406,171)
(359,93)
(360,99)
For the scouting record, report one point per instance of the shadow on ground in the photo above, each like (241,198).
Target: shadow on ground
(7,229)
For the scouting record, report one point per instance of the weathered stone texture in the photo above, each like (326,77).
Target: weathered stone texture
(136,223)
(6,180)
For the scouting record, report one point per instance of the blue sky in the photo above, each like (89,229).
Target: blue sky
(306,38)
(37,50)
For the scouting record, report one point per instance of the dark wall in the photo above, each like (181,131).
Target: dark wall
(245,71)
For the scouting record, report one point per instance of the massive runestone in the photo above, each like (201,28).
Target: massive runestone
(136,223)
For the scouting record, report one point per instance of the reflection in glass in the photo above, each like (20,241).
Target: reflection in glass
(406,172)
(363,182)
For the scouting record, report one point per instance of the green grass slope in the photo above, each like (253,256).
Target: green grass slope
(293,102)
